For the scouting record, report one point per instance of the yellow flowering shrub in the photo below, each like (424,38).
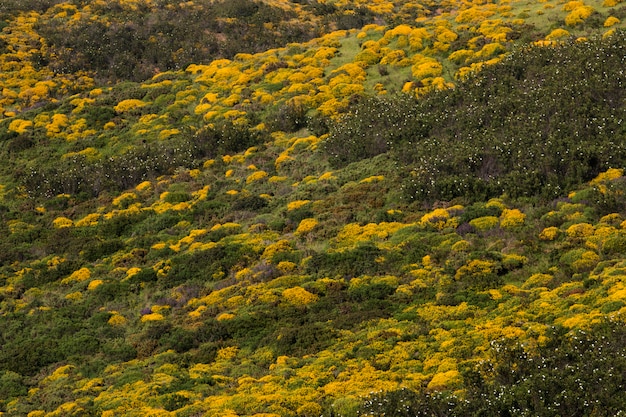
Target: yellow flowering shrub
(62,222)
(200,370)
(294,205)
(256,176)
(436,217)
(227,353)
(128,105)
(511,218)
(59,373)
(132,272)
(428,69)
(484,223)
(244,273)
(88,220)
(474,14)
(445,380)
(549,233)
(578,15)
(537,280)
(557,34)
(197,313)
(306,226)
(476,271)
(608,175)
(497,203)
(74,296)
(117,320)
(587,262)
(461,246)
(354,233)
(299,296)
(94,284)
(286,267)
(124,198)
(512,261)
(225,317)
(20,126)
(80,275)
(166,133)
(152,317)
(281,246)
(579,231)
(373,178)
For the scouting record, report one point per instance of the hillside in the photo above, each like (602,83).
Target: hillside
(337,208)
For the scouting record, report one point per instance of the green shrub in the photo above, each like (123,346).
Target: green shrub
(12,385)
(361,260)
(100,249)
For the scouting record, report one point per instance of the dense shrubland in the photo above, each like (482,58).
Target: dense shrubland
(535,124)
(419,212)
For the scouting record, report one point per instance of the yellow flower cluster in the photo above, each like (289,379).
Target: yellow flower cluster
(306,226)
(299,296)
(83,274)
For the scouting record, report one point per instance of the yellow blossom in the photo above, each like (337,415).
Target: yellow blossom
(152,317)
(94,284)
(256,176)
(549,233)
(306,226)
(62,222)
(83,274)
(294,205)
(299,296)
(127,105)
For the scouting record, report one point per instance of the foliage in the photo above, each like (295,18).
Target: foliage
(195,224)
(546,149)
(559,377)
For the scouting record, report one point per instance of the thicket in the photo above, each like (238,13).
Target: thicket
(9,8)
(136,43)
(82,175)
(543,120)
(571,373)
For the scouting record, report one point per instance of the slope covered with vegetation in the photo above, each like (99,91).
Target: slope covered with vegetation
(339,208)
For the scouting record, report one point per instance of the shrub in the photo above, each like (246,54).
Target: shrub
(12,385)
(369,129)
(480,274)
(349,263)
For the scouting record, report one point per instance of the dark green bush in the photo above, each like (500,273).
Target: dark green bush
(207,265)
(370,128)
(349,264)
(12,385)
(98,250)
(288,117)
(249,202)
